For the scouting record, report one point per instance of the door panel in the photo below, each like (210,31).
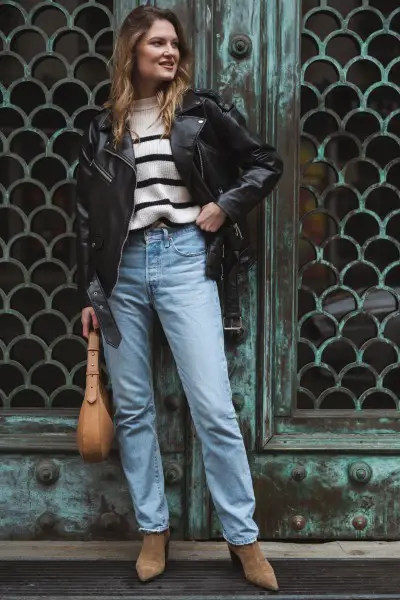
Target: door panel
(327,466)
(347,250)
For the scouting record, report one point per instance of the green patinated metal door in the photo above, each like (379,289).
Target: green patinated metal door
(328,464)
(53,78)
(315,374)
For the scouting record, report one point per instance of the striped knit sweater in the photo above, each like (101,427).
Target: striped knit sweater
(160,192)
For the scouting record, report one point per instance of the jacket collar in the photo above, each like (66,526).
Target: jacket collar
(190,101)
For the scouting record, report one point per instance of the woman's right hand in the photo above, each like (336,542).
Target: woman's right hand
(88,317)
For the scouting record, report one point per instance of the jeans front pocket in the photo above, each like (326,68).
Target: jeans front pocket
(189,243)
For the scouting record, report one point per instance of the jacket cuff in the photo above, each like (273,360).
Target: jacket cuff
(225,204)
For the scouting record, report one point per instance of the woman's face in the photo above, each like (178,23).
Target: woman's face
(157,55)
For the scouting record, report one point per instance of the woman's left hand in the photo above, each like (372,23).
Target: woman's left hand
(211,218)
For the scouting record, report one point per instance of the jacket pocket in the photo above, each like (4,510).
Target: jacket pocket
(102,172)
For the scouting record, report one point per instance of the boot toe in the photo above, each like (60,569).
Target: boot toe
(149,572)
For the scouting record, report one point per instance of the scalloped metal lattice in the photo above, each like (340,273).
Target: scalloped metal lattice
(349,252)
(53,78)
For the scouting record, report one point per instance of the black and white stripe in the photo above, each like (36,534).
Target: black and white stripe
(160,192)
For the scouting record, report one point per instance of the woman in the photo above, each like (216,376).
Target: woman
(164,174)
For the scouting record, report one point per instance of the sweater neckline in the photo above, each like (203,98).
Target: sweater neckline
(145,104)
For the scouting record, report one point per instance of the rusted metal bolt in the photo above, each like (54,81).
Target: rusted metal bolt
(47,472)
(172,402)
(360,472)
(298,522)
(238,402)
(299,473)
(173,473)
(240,46)
(109,520)
(46,521)
(360,523)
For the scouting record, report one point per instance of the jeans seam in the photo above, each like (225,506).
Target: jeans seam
(156,465)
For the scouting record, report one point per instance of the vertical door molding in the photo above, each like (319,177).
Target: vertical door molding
(122,8)
(278,294)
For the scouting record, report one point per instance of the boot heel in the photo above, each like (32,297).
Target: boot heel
(237,563)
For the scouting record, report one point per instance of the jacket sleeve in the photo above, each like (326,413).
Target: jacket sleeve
(82,220)
(259,163)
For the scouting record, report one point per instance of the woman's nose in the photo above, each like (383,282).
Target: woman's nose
(170,50)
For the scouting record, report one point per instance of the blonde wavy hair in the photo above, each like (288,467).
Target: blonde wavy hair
(122,94)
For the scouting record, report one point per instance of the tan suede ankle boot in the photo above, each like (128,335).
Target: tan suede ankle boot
(255,566)
(153,555)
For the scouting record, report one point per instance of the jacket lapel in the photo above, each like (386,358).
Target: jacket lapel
(125,148)
(185,131)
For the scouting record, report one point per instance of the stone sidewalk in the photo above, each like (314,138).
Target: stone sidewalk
(192,550)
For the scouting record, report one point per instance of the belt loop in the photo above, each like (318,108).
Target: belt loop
(166,237)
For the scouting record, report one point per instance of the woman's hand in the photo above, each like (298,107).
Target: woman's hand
(211,218)
(88,316)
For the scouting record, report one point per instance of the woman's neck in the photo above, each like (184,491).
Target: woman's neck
(145,90)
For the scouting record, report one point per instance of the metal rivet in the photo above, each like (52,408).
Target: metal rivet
(93,353)
(360,472)
(173,473)
(47,472)
(240,46)
(359,523)
(93,244)
(94,293)
(46,521)
(92,364)
(110,520)
(298,522)
(172,402)
(299,473)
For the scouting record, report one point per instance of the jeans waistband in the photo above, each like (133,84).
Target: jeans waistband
(175,229)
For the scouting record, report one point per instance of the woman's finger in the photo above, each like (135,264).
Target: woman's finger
(95,320)
(85,327)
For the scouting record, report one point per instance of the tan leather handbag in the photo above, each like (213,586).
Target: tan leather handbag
(95,431)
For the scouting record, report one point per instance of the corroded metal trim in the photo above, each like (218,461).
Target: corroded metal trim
(278,283)
(40,443)
(371,444)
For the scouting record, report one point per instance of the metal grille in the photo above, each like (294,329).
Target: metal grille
(299,578)
(349,251)
(53,74)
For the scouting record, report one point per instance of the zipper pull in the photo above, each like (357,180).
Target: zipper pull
(238,232)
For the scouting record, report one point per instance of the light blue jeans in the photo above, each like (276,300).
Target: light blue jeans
(163,270)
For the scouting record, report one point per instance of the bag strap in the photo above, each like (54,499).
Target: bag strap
(92,368)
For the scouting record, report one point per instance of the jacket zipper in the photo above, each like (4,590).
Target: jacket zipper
(102,171)
(238,232)
(86,156)
(201,162)
(131,214)
(235,226)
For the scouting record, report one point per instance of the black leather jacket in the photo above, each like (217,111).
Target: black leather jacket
(218,159)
